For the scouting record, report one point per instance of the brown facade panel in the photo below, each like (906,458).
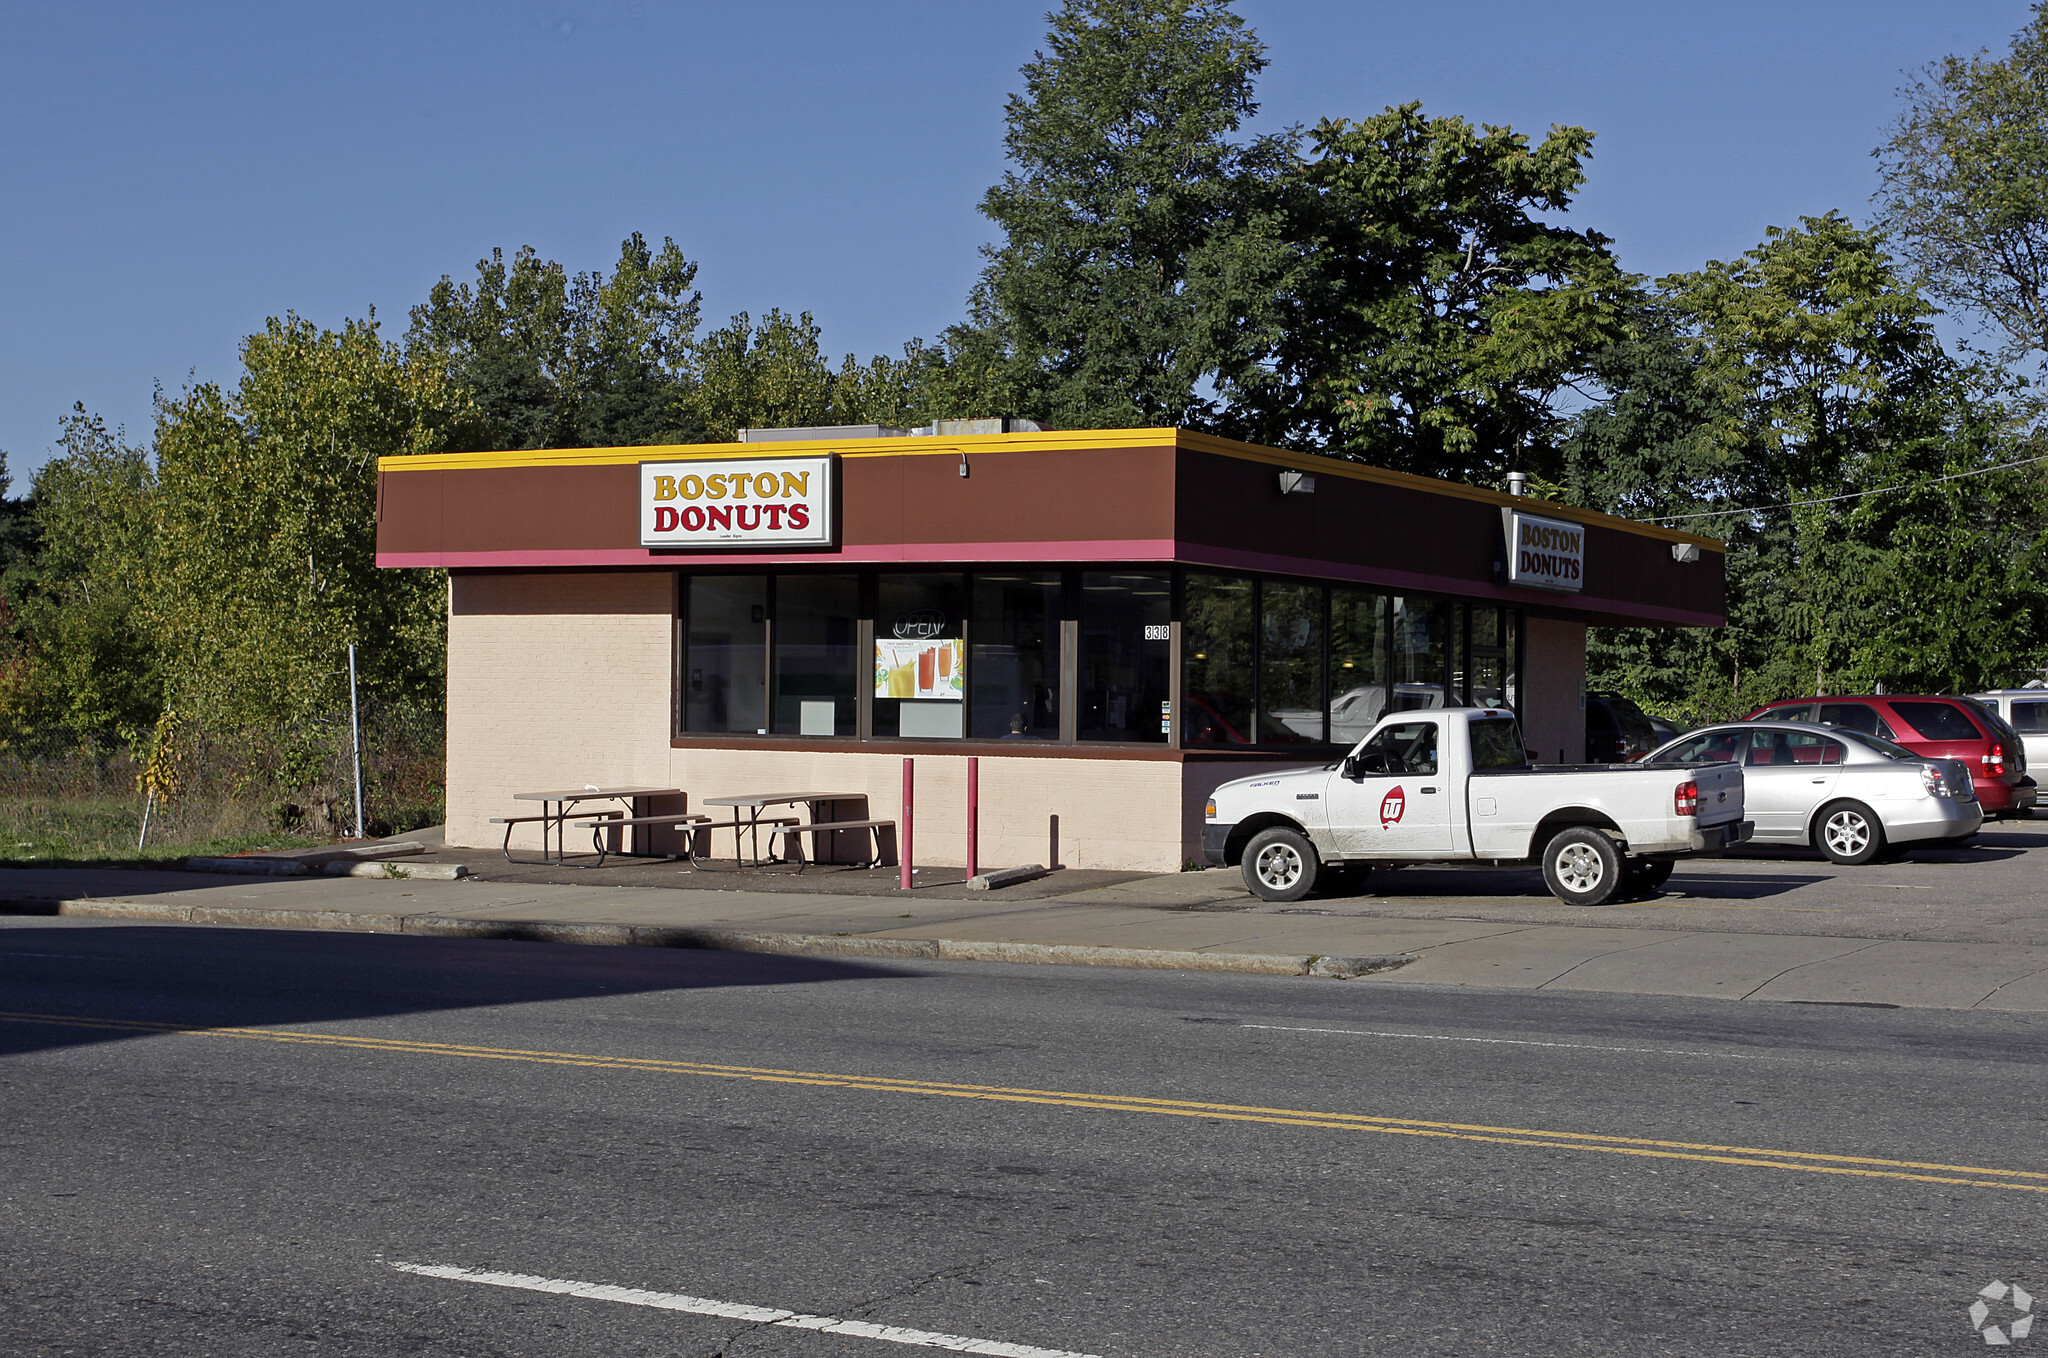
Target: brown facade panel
(506,509)
(1234,503)
(1083,495)
(1143,502)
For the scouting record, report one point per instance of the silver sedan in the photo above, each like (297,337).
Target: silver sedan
(1850,795)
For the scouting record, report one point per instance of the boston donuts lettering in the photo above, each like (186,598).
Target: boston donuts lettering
(1544,553)
(752,502)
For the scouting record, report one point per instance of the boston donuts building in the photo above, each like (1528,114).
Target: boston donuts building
(1113,621)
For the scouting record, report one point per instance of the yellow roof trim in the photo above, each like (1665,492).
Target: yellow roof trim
(1050,440)
(906,446)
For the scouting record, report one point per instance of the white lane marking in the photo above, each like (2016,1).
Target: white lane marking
(732,1310)
(1514,1042)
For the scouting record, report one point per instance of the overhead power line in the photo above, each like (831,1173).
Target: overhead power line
(1852,495)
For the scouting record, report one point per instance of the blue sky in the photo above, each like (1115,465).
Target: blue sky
(175,174)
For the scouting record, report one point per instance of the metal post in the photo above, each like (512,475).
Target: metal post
(147,807)
(355,726)
(903,847)
(973,815)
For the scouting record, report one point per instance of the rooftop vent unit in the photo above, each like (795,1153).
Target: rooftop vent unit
(1009,424)
(821,431)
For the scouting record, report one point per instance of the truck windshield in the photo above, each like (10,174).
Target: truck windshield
(1497,744)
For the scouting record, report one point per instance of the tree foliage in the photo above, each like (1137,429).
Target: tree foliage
(1142,247)
(1810,413)
(1965,184)
(555,361)
(1436,317)
(263,562)
(77,660)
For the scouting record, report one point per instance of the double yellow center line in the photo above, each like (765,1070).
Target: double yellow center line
(1811,1162)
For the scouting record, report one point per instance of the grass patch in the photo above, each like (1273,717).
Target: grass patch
(76,806)
(100,832)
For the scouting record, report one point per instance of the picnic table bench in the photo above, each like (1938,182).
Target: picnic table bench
(788,830)
(611,820)
(793,844)
(555,812)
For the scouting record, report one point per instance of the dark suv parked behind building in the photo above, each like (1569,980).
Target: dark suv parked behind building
(1945,728)
(1617,731)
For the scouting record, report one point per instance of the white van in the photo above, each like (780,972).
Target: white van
(2026,711)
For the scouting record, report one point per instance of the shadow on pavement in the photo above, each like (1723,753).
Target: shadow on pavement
(209,976)
(1495,883)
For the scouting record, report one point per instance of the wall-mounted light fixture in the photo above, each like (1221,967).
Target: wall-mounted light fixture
(1297,483)
(1685,553)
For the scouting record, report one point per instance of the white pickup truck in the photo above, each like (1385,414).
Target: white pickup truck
(1454,785)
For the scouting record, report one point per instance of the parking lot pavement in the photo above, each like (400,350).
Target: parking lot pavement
(1988,892)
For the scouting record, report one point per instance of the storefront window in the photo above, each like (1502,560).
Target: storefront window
(1358,663)
(920,654)
(1125,656)
(1216,652)
(1014,666)
(817,662)
(725,656)
(1487,667)
(1420,669)
(1290,663)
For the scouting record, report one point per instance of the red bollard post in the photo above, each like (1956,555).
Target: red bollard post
(903,845)
(973,816)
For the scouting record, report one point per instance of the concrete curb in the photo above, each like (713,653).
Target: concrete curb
(720,940)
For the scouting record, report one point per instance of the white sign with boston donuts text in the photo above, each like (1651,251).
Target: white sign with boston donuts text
(763,502)
(1544,553)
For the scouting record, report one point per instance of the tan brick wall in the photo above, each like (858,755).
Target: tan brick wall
(555,679)
(1552,718)
(1113,813)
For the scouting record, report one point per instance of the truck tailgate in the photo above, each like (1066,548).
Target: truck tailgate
(1720,793)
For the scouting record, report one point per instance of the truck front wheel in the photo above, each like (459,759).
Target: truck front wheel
(1280,864)
(1582,867)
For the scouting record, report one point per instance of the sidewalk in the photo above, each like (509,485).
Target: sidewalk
(1202,921)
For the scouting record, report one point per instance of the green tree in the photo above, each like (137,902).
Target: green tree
(1812,416)
(1143,246)
(555,361)
(264,528)
(78,660)
(1436,319)
(767,376)
(1965,184)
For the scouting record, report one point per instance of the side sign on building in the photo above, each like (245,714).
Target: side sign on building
(764,502)
(1544,553)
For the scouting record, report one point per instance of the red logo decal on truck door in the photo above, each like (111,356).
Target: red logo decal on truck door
(1391,807)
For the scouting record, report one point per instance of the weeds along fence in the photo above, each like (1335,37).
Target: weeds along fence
(225,789)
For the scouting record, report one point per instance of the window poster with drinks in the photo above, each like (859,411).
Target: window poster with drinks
(919,668)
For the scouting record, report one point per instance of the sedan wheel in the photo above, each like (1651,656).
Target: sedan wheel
(1849,833)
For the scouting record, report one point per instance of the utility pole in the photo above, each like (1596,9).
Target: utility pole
(355,726)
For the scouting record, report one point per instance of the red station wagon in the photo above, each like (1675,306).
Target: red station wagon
(1945,728)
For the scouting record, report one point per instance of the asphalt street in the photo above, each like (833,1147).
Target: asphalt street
(402,1145)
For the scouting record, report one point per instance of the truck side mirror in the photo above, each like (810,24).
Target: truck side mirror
(1358,765)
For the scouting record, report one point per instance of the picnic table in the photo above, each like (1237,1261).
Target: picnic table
(555,812)
(753,822)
